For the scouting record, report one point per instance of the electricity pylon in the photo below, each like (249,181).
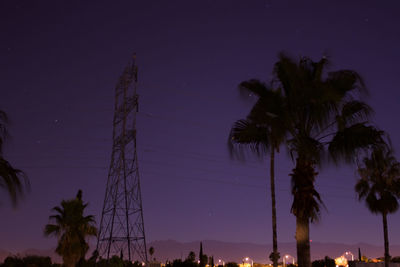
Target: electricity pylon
(121,230)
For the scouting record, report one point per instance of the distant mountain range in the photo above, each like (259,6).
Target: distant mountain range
(228,251)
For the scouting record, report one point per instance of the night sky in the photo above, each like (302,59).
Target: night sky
(60,61)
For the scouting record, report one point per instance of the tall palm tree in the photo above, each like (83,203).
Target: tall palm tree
(322,118)
(261,132)
(325,120)
(71,228)
(11,179)
(379,186)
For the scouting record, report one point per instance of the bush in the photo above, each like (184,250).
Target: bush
(231,264)
(28,261)
(326,262)
(396,259)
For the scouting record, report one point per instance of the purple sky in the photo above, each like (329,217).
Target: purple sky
(60,61)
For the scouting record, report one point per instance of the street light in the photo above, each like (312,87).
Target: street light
(248,261)
(351,254)
(286,258)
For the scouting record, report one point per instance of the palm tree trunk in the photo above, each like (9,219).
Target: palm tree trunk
(305,206)
(386,238)
(274,234)
(303,242)
(69,261)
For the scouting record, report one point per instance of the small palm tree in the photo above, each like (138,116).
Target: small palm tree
(379,186)
(262,132)
(11,179)
(71,228)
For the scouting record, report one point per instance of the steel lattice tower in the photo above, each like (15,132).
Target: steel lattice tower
(122,228)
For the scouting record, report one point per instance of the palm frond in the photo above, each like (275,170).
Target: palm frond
(347,81)
(3,129)
(362,186)
(52,229)
(254,87)
(13,181)
(288,74)
(247,135)
(346,144)
(353,112)
(58,209)
(319,68)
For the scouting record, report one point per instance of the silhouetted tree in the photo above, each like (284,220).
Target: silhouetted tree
(231,264)
(114,261)
(177,263)
(321,115)
(205,259)
(12,180)
(326,262)
(151,252)
(262,131)
(379,185)
(13,261)
(187,263)
(273,256)
(396,259)
(71,228)
(92,261)
(318,263)
(30,261)
(324,115)
(202,259)
(329,262)
(191,257)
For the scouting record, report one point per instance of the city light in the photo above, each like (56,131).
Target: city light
(247,262)
(286,259)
